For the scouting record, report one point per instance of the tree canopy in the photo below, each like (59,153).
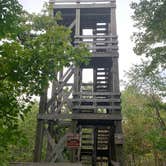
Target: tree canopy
(10,12)
(150,40)
(33,47)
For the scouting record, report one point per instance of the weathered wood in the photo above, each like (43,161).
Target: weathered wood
(119,138)
(94,105)
(96,36)
(77,1)
(40,128)
(79,6)
(97,41)
(72,24)
(60,87)
(86,116)
(97,93)
(94,155)
(95,100)
(112,153)
(45,164)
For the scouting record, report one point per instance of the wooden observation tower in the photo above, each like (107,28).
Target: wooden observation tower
(82,120)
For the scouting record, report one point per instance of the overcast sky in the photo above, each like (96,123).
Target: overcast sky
(125,29)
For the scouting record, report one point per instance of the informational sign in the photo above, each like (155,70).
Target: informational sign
(73,141)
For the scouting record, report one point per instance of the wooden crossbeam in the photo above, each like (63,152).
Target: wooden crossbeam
(82,116)
(86,107)
(79,6)
(97,93)
(95,100)
(95,36)
(78,1)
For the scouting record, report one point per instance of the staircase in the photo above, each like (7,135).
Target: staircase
(86,146)
(102,80)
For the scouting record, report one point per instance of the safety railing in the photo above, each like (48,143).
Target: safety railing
(98,43)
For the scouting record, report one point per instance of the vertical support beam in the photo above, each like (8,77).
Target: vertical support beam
(95,84)
(77,83)
(73,153)
(59,99)
(40,128)
(119,147)
(112,152)
(113,25)
(77,70)
(115,67)
(54,88)
(77,27)
(53,92)
(115,85)
(51,123)
(94,155)
(51,6)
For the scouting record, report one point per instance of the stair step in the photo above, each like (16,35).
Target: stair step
(102,160)
(86,144)
(86,134)
(101,79)
(86,139)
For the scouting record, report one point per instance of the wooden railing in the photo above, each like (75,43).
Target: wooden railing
(83,3)
(98,43)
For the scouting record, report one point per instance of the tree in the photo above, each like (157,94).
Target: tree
(144,139)
(152,84)
(34,48)
(22,151)
(10,12)
(150,19)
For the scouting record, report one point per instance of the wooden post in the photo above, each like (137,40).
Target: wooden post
(94,156)
(51,123)
(115,85)
(40,128)
(77,77)
(94,84)
(112,153)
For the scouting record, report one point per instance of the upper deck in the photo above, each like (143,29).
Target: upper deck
(61,4)
(92,22)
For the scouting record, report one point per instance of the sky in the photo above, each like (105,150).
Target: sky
(124,28)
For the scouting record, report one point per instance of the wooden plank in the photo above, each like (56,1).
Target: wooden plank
(119,138)
(86,116)
(40,128)
(95,36)
(50,139)
(44,164)
(60,87)
(67,72)
(95,100)
(97,93)
(72,24)
(95,107)
(103,47)
(79,6)
(77,1)
(97,42)
(105,54)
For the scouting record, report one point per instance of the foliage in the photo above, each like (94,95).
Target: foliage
(23,149)
(32,49)
(150,40)
(144,139)
(149,78)
(152,83)
(10,12)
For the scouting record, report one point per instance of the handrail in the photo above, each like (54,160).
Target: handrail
(81,1)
